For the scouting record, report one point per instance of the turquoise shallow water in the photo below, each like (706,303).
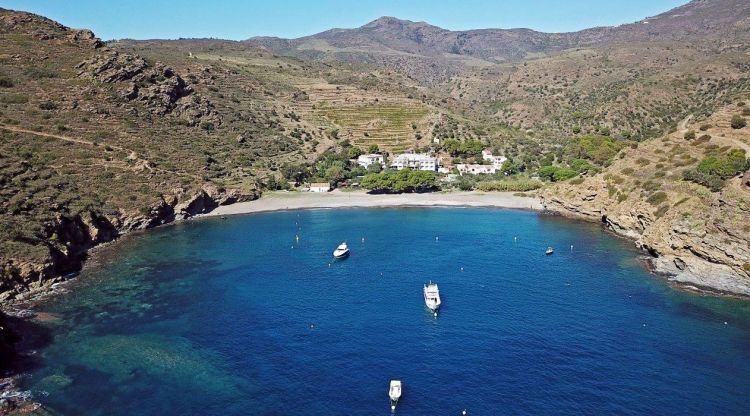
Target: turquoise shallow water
(236,317)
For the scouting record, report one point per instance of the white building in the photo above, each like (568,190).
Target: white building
(367,160)
(496,161)
(466,169)
(419,161)
(320,187)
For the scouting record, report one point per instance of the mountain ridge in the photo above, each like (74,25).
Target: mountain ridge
(697,17)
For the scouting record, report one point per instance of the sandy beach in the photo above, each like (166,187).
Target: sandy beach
(276,201)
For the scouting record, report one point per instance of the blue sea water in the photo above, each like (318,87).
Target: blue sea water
(237,316)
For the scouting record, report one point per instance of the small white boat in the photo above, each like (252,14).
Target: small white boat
(432,296)
(549,251)
(341,251)
(394,392)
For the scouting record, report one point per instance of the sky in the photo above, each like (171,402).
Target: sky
(238,19)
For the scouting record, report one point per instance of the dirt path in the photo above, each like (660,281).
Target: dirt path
(682,126)
(140,163)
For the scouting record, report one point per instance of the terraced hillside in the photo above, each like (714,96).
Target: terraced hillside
(373,107)
(394,124)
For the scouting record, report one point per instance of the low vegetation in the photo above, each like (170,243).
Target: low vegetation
(713,171)
(405,180)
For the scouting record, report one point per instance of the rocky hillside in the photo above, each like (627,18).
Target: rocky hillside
(684,198)
(100,139)
(95,142)
(636,80)
(697,21)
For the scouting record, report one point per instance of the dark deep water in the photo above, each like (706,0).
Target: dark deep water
(236,317)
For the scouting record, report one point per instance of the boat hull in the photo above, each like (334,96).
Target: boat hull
(341,254)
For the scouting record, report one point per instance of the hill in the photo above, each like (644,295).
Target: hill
(698,21)
(637,79)
(668,195)
(99,139)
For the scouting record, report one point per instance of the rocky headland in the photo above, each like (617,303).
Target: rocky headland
(696,236)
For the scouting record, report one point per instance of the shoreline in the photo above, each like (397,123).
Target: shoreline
(24,309)
(282,201)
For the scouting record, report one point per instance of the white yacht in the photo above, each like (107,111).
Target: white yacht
(341,251)
(394,392)
(432,296)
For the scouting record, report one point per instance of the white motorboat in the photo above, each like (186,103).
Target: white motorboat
(432,296)
(394,392)
(549,251)
(341,251)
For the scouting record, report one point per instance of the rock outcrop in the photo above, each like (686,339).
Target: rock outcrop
(69,239)
(694,250)
(695,236)
(157,85)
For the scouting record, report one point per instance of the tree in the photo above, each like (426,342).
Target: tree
(373,148)
(354,152)
(738,122)
(374,168)
(581,165)
(556,173)
(296,173)
(509,167)
(335,173)
(405,180)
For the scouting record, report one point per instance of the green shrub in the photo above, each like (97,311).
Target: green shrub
(689,135)
(642,161)
(627,171)
(725,166)
(581,165)
(598,149)
(704,127)
(738,122)
(556,173)
(712,182)
(38,73)
(14,99)
(6,82)
(405,180)
(704,138)
(518,185)
(651,186)
(661,211)
(47,105)
(657,198)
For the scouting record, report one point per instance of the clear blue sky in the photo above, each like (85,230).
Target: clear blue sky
(238,19)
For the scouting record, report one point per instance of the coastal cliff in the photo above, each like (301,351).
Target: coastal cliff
(696,236)
(68,239)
